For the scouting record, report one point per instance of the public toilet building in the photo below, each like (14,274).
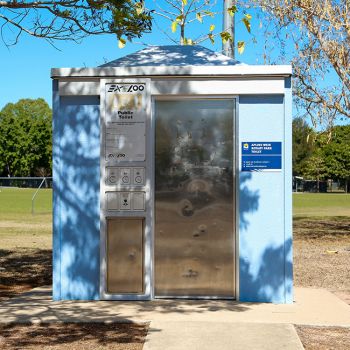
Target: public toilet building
(172,176)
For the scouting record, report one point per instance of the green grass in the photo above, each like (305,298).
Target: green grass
(321,204)
(18,227)
(16,202)
(19,200)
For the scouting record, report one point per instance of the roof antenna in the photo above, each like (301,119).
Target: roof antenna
(228,47)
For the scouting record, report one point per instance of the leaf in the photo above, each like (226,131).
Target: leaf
(179,18)
(121,43)
(188,41)
(248,16)
(199,17)
(209,13)
(211,37)
(139,8)
(173,26)
(212,27)
(184,2)
(225,37)
(247,24)
(232,10)
(332,251)
(240,47)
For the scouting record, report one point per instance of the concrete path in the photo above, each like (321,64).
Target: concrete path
(221,336)
(192,324)
(311,306)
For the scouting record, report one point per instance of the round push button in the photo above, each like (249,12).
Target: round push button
(125,179)
(112,179)
(138,179)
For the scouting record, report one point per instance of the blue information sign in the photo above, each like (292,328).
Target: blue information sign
(261,156)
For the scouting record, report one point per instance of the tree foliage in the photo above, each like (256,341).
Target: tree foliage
(73,20)
(316,156)
(336,154)
(26,138)
(303,137)
(181,14)
(320,33)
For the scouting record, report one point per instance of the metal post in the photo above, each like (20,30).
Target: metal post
(33,198)
(229,26)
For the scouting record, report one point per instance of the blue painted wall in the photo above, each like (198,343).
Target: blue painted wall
(265,231)
(76,172)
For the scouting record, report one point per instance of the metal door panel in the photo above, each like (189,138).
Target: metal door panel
(194,202)
(124,255)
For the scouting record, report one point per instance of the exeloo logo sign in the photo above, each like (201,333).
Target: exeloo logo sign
(126,88)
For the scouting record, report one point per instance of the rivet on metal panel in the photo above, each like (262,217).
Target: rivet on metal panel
(190,273)
(186,208)
(202,228)
(196,234)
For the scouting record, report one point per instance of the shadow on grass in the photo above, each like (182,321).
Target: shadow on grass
(321,227)
(24,269)
(79,335)
(297,218)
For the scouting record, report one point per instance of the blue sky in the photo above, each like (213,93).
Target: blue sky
(25,67)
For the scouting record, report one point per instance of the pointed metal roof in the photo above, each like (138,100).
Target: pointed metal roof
(173,55)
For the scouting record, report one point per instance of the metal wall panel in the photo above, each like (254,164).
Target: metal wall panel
(194,198)
(124,255)
(265,249)
(76,207)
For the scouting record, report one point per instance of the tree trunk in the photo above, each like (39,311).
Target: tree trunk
(8,170)
(182,38)
(182,25)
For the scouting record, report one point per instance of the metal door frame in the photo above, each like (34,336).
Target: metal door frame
(235,161)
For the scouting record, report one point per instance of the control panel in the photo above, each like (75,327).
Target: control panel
(133,176)
(123,148)
(123,178)
(125,187)
(132,200)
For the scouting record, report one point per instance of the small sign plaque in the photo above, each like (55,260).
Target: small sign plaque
(261,156)
(125,135)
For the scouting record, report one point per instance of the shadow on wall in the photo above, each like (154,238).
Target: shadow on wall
(248,200)
(270,281)
(76,186)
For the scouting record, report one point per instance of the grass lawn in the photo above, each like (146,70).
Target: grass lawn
(18,227)
(321,204)
(15,202)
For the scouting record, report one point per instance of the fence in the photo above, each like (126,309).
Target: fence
(25,182)
(302,185)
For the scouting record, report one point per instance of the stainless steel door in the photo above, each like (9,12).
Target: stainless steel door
(194,201)
(124,255)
